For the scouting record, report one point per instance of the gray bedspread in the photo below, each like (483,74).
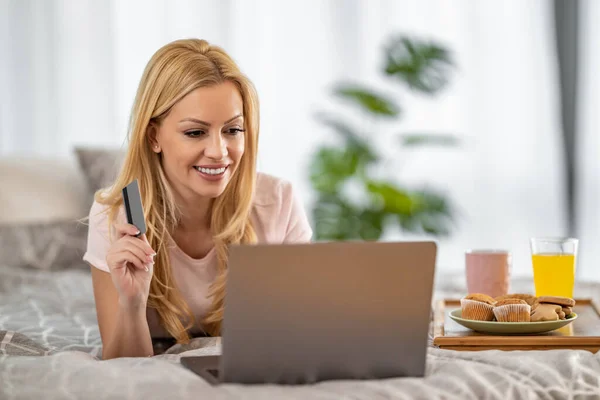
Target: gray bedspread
(49,347)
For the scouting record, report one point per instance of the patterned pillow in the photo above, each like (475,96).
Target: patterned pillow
(100,165)
(44,245)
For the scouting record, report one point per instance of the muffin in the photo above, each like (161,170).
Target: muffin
(512,310)
(529,298)
(478,307)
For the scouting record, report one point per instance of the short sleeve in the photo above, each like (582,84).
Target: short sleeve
(98,240)
(297,229)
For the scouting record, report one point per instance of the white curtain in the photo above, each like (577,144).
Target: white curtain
(588,143)
(69,70)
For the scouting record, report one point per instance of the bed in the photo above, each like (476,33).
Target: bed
(50,345)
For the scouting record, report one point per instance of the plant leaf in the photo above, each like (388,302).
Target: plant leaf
(353,139)
(369,100)
(392,199)
(330,167)
(423,139)
(337,219)
(416,211)
(371,224)
(422,66)
(433,213)
(430,202)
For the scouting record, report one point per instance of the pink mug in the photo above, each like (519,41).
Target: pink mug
(488,271)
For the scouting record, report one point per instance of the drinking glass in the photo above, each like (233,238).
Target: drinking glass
(488,271)
(554,263)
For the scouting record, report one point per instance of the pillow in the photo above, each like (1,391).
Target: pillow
(99,165)
(41,201)
(41,189)
(45,245)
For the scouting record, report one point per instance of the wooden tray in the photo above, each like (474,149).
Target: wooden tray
(581,334)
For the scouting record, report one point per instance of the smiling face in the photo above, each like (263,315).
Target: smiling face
(202,141)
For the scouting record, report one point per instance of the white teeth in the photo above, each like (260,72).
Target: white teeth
(211,171)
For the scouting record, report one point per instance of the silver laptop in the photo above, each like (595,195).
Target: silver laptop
(302,313)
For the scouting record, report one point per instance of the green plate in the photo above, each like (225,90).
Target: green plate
(510,327)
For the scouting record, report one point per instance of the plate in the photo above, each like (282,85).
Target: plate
(510,327)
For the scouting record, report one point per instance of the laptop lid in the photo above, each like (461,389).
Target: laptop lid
(298,313)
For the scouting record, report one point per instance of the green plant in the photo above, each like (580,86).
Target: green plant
(421,67)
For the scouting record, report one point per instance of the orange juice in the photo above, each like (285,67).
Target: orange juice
(554,274)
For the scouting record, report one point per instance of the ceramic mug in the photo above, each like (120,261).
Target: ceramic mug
(488,271)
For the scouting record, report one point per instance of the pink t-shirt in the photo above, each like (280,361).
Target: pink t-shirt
(277,216)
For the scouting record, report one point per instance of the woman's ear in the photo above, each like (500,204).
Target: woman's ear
(152,135)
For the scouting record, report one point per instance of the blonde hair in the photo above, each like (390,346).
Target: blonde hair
(174,71)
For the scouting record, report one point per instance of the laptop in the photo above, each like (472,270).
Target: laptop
(303,313)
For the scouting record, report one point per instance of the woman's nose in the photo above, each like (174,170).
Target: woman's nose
(217,148)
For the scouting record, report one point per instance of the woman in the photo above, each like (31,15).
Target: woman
(193,144)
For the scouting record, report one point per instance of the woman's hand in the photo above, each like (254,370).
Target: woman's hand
(130,260)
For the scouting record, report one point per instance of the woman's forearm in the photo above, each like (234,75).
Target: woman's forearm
(130,336)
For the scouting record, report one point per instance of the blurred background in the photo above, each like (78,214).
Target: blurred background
(471,122)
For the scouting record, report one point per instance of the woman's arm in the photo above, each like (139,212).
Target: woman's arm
(123,327)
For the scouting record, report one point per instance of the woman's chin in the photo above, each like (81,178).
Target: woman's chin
(212,189)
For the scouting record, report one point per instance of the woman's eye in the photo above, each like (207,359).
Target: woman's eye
(195,133)
(234,131)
